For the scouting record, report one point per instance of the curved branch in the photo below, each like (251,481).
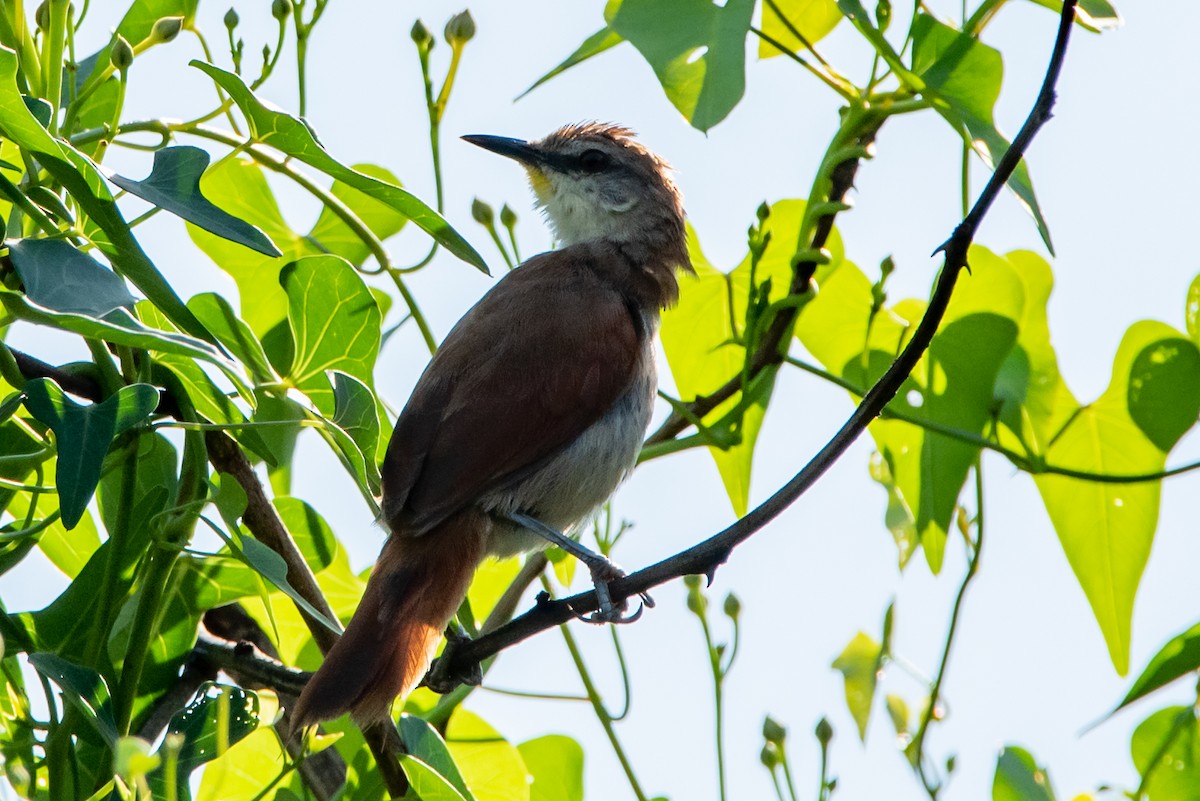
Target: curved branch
(706,556)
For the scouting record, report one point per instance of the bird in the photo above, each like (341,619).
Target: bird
(528,416)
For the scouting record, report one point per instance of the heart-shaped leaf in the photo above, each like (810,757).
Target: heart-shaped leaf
(61,278)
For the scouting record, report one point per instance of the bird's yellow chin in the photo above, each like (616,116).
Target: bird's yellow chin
(540,183)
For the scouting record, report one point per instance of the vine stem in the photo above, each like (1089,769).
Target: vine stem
(704,557)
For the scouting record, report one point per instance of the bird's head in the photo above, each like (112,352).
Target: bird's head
(596,181)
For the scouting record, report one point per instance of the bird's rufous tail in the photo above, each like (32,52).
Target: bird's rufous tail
(414,590)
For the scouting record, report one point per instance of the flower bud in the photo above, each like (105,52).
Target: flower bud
(41,17)
(764,211)
(883,14)
(733,607)
(773,731)
(482,213)
(824,732)
(231,19)
(421,35)
(769,756)
(460,29)
(697,604)
(121,54)
(166,29)
(508,217)
(280,9)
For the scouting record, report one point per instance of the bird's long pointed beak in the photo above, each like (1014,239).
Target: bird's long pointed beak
(517,149)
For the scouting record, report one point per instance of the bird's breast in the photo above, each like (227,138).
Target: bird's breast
(582,476)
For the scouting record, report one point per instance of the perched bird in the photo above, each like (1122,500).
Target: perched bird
(529,415)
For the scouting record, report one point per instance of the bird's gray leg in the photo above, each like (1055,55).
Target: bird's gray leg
(599,566)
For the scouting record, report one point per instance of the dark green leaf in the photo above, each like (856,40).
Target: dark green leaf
(697,50)
(335,325)
(83,434)
(1166,749)
(1018,778)
(555,763)
(312,534)
(197,724)
(84,688)
(291,136)
(81,178)
(1178,658)
(356,414)
(174,185)
(962,77)
(59,277)
(1163,397)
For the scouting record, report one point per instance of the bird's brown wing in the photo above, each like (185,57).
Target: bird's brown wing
(536,362)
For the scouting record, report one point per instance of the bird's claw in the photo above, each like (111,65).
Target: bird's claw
(610,612)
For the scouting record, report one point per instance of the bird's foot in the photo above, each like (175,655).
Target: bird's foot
(602,569)
(442,677)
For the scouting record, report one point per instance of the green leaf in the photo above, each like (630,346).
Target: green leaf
(84,688)
(314,538)
(381,219)
(1178,658)
(81,178)
(698,337)
(1095,15)
(556,764)
(813,18)
(491,766)
(1106,529)
(83,434)
(859,666)
(355,427)
(174,185)
(697,50)
(594,45)
(235,334)
(427,783)
(292,136)
(273,568)
(1166,746)
(198,724)
(335,325)
(1018,777)
(59,277)
(961,77)
(1192,310)
(423,742)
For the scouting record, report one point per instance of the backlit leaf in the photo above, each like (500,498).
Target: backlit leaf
(859,666)
(555,763)
(1167,746)
(1018,777)
(813,18)
(1178,658)
(84,688)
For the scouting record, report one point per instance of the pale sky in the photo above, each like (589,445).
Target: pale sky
(1030,666)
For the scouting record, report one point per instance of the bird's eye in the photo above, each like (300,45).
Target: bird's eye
(593,160)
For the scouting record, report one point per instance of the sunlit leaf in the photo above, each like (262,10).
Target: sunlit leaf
(83,434)
(1095,15)
(422,741)
(491,766)
(962,77)
(234,333)
(556,764)
(697,50)
(335,325)
(859,666)
(427,783)
(59,277)
(335,236)
(174,185)
(815,19)
(1018,777)
(594,45)
(1166,746)
(1106,529)
(290,135)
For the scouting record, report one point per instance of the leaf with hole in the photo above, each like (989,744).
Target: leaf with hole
(198,724)
(697,50)
(174,185)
